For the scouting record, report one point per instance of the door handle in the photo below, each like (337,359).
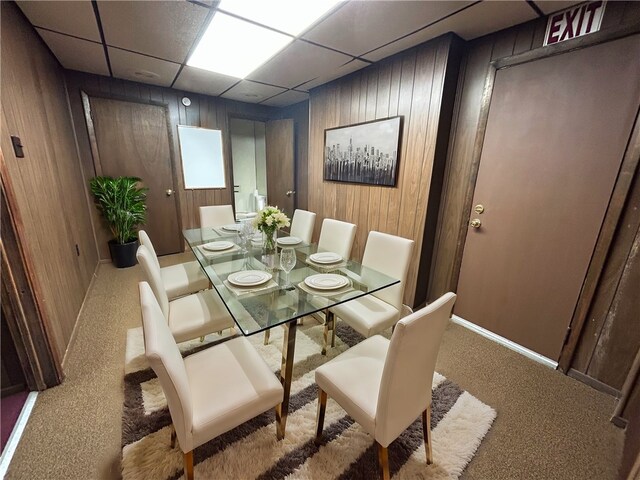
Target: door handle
(290,192)
(475,223)
(169,192)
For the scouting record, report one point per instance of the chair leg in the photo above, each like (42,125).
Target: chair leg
(333,329)
(322,405)
(426,430)
(267,334)
(202,339)
(188,465)
(383,461)
(173,437)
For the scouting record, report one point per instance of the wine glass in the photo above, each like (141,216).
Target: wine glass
(287,262)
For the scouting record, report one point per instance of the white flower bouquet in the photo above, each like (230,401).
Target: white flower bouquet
(268,221)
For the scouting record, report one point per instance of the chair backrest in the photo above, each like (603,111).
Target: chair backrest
(216,216)
(146,241)
(166,361)
(405,387)
(390,255)
(302,225)
(152,272)
(337,237)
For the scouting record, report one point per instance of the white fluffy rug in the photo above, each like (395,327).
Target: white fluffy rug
(459,422)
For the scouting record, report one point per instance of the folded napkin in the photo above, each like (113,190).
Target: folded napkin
(238,291)
(211,254)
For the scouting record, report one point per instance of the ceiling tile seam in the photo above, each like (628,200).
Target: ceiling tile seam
(422,28)
(536,8)
(235,84)
(258,24)
(202,4)
(356,57)
(94,4)
(143,54)
(203,29)
(66,34)
(281,93)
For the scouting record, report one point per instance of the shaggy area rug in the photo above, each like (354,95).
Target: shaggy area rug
(459,421)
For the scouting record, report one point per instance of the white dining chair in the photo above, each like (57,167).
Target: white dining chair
(188,317)
(385,385)
(374,313)
(216,216)
(209,392)
(302,225)
(178,280)
(337,237)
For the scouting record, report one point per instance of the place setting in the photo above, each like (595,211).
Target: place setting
(326,261)
(249,281)
(326,284)
(219,247)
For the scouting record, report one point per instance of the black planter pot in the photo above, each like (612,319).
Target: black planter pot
(123,255)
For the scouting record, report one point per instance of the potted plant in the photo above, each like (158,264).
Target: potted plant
(121,202)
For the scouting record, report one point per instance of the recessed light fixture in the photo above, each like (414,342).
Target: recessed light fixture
(289,16)
(234,47)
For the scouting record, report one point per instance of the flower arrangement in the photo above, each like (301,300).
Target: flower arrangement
(268,220)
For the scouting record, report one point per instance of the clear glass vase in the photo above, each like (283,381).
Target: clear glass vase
(269,241)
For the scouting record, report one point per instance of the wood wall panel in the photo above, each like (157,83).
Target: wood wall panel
(459,183)
(49,189)
(408,84)
(204,112)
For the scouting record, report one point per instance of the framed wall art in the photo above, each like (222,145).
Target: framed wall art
(364,152)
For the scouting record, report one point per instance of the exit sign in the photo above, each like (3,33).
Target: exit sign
(574,22)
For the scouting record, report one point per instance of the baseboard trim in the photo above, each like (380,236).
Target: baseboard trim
(505,342)
(593,383)
(74,332)
(16,434)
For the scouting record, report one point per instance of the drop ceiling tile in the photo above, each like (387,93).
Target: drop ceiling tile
(196,80)
(550,6)
(165,29)
(473,22)
(340,72)
(140,68)
(76,54)
(362,26)
(298,63)
(251,92)
(287,98)
(55,16)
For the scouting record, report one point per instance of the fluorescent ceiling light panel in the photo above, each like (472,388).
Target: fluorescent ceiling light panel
(289,16)
(234,47)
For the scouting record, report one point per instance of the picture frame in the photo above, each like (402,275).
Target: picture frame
(201,150)
(366,152)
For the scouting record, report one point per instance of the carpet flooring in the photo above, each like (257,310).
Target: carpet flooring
(459,421)
(549,426)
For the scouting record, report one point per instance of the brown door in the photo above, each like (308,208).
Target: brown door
(280,165)
(133,140)
(555,138)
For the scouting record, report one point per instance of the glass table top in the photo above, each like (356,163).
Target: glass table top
(256,308)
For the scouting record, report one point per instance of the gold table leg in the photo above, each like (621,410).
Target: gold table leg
(426,430)
(286,374)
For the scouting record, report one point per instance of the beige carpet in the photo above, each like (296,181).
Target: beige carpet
(549,426)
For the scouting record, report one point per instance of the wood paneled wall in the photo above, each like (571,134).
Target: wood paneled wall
(597,356)
(204,111)
(410,84)
(49,189)
(299,112)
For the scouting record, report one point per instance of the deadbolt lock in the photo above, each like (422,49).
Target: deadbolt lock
(290,192)
(475,223)
(479,208)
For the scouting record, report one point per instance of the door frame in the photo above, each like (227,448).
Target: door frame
(26,318)
(617,201)
(257,118)
(93,142)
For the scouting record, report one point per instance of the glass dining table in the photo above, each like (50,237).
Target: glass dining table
(280,299)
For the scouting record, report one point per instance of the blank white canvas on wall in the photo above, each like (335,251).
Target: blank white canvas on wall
(202,160)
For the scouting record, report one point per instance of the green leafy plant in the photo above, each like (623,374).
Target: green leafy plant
(122,204)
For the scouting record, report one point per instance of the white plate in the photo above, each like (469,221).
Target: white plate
(234,227)
(249,278)
(325,257)
(289,241)
(326,281)
(217,246)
